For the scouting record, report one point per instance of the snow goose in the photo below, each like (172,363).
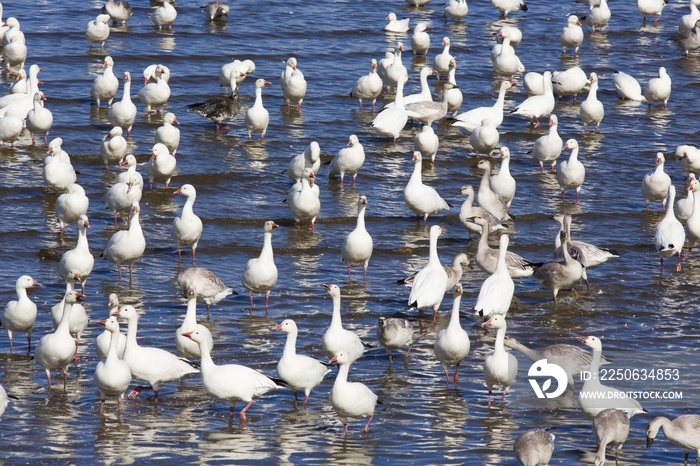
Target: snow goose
(78,260)
(299,372)
(20,84)
(508,6)
(161,165)
(216,10)
(260,274)
(185,346)
(574,251)
(593,255)
(14,54)
(122,195)
(156,94)
(396,25)
(500,367)
(4,400)
(112,376)
(119,11)
(658,89)
(569,82)
(384,64)
(505,64)
(310,158)
(396,69)
(533,84)
(496,292)
(164,16)
(168,134)
(538,105)
(455,9)
(13,29)
(368,87)
(11,126)
(686,23)
(127,246)
(349,160)
(423,95)
(20,314)
(688,41)
(428,111)
(487,257)
(390,121)
(454,95)
(547,148)
(147,364)
(426,142)
(97,30)
(219,109)
(503,182)
(655,184)
(467,211)
(651,7)
(571,173)
(441,63)
(113,147)
(337,339)
(420,40)
(103,340)
(534,447)
(558,275)
(610,427)
(78,319)
(452,343)
(58,171)
(488,199)
(187,228)
(394,333)
(684,206)
(591,110)
(123,113)
(430,282)
(484,138)
(693,222)
(105,86)
(350,399)
(71,205)
(210,289)
(598,16)
(670,235)
(572,35)
(293,83)
(303,200)
(420,198)
(683,431)
(257,118)
(39,119)
(598,396)
(150,73)
(226,73)
(627,87)
(357,246)
(570,358)
(689,159)
(473,118)
(454,272)
(55,350)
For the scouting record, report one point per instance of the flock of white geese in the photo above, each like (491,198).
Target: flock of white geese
(123,359)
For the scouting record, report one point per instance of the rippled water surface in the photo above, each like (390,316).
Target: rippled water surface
(646,318)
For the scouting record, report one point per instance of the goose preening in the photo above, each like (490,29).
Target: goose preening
(233,74)
(500,367)
(561,243)
(230,382)
(534,447)
(357,246)
(454,272)
(185,346)
(162,165)
(123,113)
(394,333)
(497,290)
(186,229)
(655,184)
(426,142)
(669,235)
(571,173)
(168,135)
(299,372)
(547,148)
(508,6)
(420,40)
(216,10)
(468,210)
(293,83)
(455,9)
(610,427)
(473,118)
(484,138)
(148,364)
(310,158)
(112,376)
(337,339)
(350,399)
(164,16)
(156,94)
(368,87)
(303,200)
(119,11)
(127,246)
(591,109)
(487,257)
(557,275)
(683,431)
(422,199)
(220,108)
(658,89)
(113,147)
(20,314)
(396,25)
(78,260)
(97,30)
(257,118)
(593,255)
(105,86)
(598,396)
(348,160)
(260,274)
(452,343)
(103,340)
(572,35)
(538,106)
(210,288)
(71,205)
(430,282)
(627,87)
(58,171)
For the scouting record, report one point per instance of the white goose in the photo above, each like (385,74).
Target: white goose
(420,40)
(148,364)
(257,118)
(669,235)
(168,134)
(78,260)
(627,87)
(112,376)
(337,339)
(384,64)
(655,184)
(210,289)
(368,87)
(350,399)
(488,199)
(294,85)
(455,9)
(651,7)
(420,198)
(310,158)
(598,16)
(441,63)
(468,210)
(121,196)
(299,372)
(538,105)
(155,94)
(591,110)
(547,148)
(228,72)
(11,126)
(4,400)
(534,447)
(506,63)
(39,119)
(162,165)
(473,118)
(508,6)
(686,23)
(683,431)
(452,343)
(185,346)
(71,205)
(496,292)
(58,171)
(104,339)
(454,95)
(14,53)
(500,367)
(454,272)
(658,89)
(55,350)
(357,246)
(13,28)
(260,274)
(487,258)
(685,206)
(484,138)
(610,427)
(19,315)
(394,333)
(396,69)
(113,147)
(78,321)
(186,229)
(426,142)
(572,35)
(430,282)
(123,113)
(503,182)
(592,254)
(119,11)
(98,30)
(127,246)
(390,121)
(693,222)
(424,95)
(303,200)
(569,82)
(105,86)
(164,16)
(21,83)
(349,160)
(689,159)
(396,25)
(151,71)
(571,173)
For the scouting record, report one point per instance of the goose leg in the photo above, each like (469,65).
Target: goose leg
(366,429)
(242,415)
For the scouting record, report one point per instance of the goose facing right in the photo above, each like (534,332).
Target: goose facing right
(422,199)
(19,315)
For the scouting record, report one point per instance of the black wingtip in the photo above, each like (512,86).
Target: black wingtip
(523,7)
(280,382)
(366,345)
(451,206)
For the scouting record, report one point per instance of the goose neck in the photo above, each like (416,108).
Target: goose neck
(113,343)
(191,313)
(454,316)
(361,217)
(336,320)
(267,245)
(290,346)
(499,346)
(343,371)
(64,324)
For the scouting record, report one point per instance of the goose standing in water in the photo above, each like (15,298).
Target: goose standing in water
(441,62)
(452,343)
(571,173)
(455,9)
(338,339)
(216,10)
(488,199)
(98,30)
(558,275)
(164,16)
(572,35)
(426,142)
(105,86)
(468,210)
(534,447)
(210,288)
(71,205)
(473,118)
(503,183)
(112,376)
(655,185)
(547,148)
(500,367)
(260,274)
(186,229)
(593,254)
(683,431)
(669,235)
(591,109)
(390,121)
(293,83)
(39,119)
(220,108)
(538,106)
(185,346)
(19,315)
(368,87)
(155,94)
(487,257)
(103,340)
(303,200)
(78,260)
(119,11)
(168,135)
(496,292)
(610,427)
(161,165)
(349,160)
(420,198)
(123,113)
(127,246)
(420,40)
(113,147)
(454,272)
(310,158)
(357,246)
(350,399)
(394,333)
(658,89)
(627,87)
(257,118)
(430,282)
